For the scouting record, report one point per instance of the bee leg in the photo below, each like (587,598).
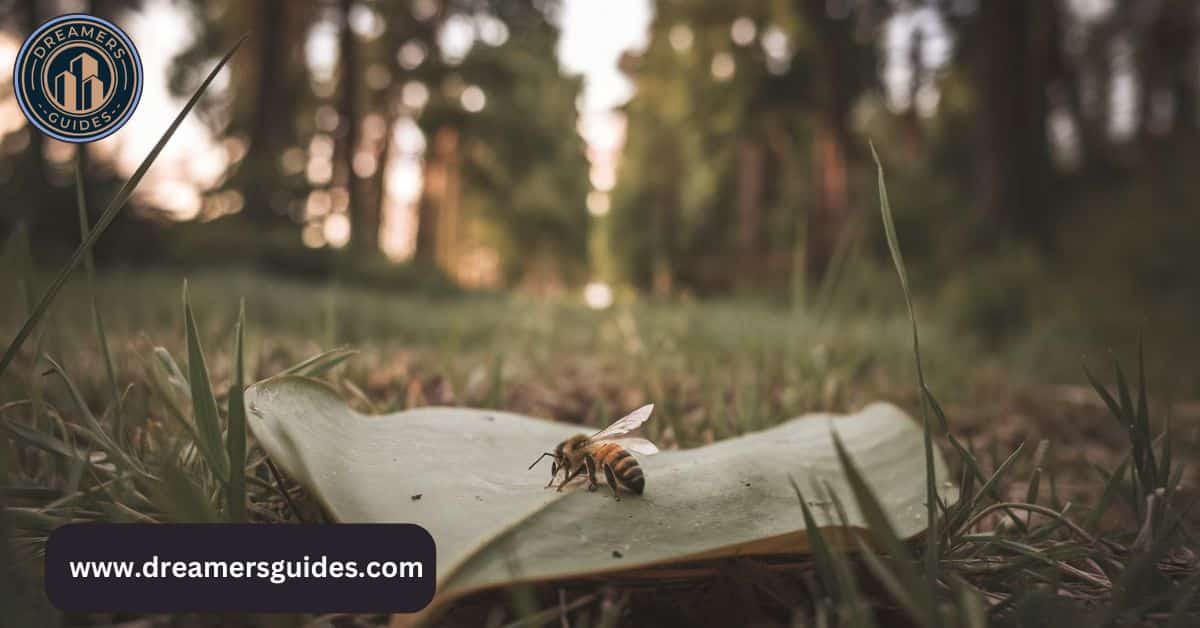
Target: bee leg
(553,474)
(591,470)
(570,476)
(612,480)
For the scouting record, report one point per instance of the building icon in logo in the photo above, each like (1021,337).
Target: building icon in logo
(78,78)
(79,88)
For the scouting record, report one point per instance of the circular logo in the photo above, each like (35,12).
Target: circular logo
(78,78)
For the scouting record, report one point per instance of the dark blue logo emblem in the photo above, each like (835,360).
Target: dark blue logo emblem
(78,78)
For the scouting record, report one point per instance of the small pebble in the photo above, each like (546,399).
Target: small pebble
(417,497)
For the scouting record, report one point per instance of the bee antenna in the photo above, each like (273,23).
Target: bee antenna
(539,459)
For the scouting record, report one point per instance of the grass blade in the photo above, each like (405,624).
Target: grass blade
(990,485)
(885,536)
(895,587)
(17,256)
(1106,498)
(320,363)
(1142,419)
(1180,614)
(854,608)
(179,499)
(1028,551)
(1140,441)
(235,440)
(1031,493)
(931,495)
(1123,392)
(971,606)
(204,404)
(1165,464)
(1105,396)
(106,218)
(89,266)
(822,555)
(37,438)
(33,520)
(174,384)
(164,386)
(93,429)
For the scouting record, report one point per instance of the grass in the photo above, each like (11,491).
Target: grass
(1091,579)
(110,213)
(546,358)
(102,423)
(717,377)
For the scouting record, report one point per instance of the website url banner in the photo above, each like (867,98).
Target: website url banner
(240,568)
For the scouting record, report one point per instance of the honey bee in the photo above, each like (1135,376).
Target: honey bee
(606,452)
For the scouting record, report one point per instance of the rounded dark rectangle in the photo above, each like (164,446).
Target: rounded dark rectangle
(262,568)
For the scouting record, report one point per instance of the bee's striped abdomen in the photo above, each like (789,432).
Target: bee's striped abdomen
(625,467)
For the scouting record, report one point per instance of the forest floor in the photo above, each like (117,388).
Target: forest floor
(713,369)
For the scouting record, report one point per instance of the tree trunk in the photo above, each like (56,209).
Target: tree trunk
(832,207)
(664,224)
(439,196)
(751,164)
(36,153)
(379,184)
(427,207)
(1168,65)
(259,171)
(836,74)
(1012,152)
(449,236)
(364,219)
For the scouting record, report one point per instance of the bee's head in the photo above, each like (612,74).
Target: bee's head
(563,452)
(571,445)
(557,457)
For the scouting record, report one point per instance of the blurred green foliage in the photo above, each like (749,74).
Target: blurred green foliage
(1027,207)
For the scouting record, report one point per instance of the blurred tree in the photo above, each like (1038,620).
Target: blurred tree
(439,163)
(28,17)
(505,169)
(37,173)
(662,119)
(1017,56)
(479,79)
(842,63)
(522,145)
(272,90)
(1064,87)
(393,62)
(1041,98)
(739,144)
(364,216)
(744,161)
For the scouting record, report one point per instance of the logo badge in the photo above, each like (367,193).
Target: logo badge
(78,78)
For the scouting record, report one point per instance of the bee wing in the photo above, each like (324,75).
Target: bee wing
(637,445)
(630,422)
